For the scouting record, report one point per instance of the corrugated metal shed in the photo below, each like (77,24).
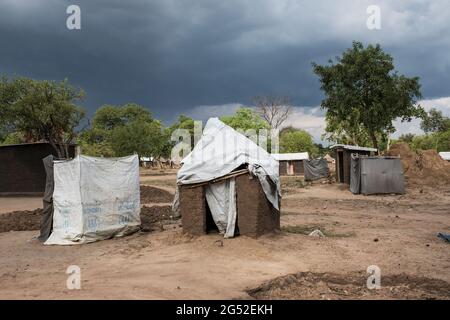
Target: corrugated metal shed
(356,148)
(290,156)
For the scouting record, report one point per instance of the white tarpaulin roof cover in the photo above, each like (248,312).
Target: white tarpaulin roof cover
(290,156)
(95,199)
(445,155)
(220,150)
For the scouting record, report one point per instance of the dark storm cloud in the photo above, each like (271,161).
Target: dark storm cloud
(174,56)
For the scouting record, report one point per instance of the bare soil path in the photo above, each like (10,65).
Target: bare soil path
(396,233)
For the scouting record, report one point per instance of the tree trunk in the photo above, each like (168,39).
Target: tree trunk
(66,150)
(388,142)
(374,139)
(55,147)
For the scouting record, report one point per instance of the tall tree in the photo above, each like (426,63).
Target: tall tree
(362,88)
(250,124)
(123,130)
(407,137)
(183,122)
(347,131)
(42,110)
(143,137)
(245,119)
(297,140)
(435,121)
(274,109)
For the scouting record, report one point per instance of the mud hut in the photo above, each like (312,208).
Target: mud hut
(343,154)
(228,184)
(291,164)
(21,171)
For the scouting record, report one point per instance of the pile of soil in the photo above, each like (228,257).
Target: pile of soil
(308,285)
(155,216)
(422,167)
(151,217)
(21,220)
(155,195)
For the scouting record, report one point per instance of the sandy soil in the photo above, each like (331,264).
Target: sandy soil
(9,204)
(396,233)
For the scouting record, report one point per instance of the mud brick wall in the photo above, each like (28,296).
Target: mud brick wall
(21,169)
(283,168)
(193,210)
(256,215)
(298,167)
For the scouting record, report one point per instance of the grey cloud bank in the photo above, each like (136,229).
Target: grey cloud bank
(195,57)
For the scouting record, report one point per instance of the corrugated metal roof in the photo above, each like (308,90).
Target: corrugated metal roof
(445,155)
(290,156)
(356,148)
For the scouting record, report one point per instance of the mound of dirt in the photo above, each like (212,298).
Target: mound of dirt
(308,285)
(152,217)
(155,195)
(21,220)
(422,167)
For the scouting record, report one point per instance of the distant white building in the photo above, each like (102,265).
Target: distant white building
(291,164)
(445,155)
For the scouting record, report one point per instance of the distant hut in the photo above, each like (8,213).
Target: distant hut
(291,164)
(343,157)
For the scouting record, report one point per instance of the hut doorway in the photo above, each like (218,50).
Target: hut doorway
(211,226)
(340,164)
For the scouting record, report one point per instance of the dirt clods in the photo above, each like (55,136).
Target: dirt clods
(155,195)
(21,220)
(329,286)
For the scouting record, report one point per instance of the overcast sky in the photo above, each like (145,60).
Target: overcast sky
(206,58)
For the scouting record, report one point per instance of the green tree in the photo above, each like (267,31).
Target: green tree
(245,119)
(13,138)
(407,138)
(42,111)
(248,122)
(143,137)
(362,89)
(322,151)
(298,141)
(123,130)
(183,122)
(423,142)
(439,141)
(434,121)
(345,131)
(443,141)
(287,129)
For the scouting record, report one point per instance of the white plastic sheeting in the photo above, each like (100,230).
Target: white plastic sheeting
(95,199)
(220,150)
(221,198)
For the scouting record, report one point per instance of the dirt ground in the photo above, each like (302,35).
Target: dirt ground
(9,204)
(396,233)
